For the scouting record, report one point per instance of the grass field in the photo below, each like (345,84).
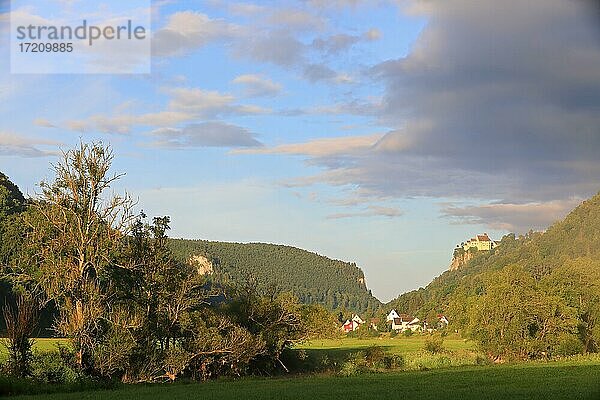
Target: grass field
(40,344)
(577,378)
(396,345)
(555,381)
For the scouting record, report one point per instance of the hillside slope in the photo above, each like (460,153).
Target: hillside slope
(311,277)
(575,237)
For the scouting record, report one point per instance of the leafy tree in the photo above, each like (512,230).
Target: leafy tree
(11,198)
(526,322)
(75,228)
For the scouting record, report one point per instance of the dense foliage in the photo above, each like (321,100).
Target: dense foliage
(314,279)
(132,311)
(534,295)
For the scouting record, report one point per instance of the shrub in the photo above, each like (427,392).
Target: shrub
(373,356)
(393,361)
(372,359)
(20,322)
(569,345)
(434,344)
(407,333)
(425,360)
(55,367)
(349,368)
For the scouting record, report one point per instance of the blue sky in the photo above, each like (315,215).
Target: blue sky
(380,132)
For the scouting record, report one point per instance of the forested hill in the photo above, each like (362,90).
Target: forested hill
(311,277)
(567,243)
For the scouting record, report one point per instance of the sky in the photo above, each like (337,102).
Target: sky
(377,132)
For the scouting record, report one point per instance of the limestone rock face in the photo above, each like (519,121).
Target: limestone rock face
(202,264)
(459,261)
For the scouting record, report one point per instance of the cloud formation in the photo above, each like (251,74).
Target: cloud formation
(324,147)
(257,86)
(340,42)
(518,218)
(370,211)
(498,101)
(185,104)
(205,134)
(21,146)
(186,31)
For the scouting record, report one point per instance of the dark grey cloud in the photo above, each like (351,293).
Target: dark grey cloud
(205,134)
(518,218)
(498,101)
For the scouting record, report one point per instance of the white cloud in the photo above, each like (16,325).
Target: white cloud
(44,123)
(370,211)
(296,19)
(340,42)
(321,147)
(12,144)
(185,105)
(187,31)
(257,86)
(277,47)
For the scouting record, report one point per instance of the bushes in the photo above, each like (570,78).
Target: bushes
(569,345)
(425,360)
(372,359)
(52,371)
(434,344)
(55,367)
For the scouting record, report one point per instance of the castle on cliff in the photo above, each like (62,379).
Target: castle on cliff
(466,250)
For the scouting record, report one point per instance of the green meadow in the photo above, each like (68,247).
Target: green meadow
(574,378)
(42,344)
(556,381)
(395,345)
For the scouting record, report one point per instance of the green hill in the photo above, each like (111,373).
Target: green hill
(311,277)
(576,239)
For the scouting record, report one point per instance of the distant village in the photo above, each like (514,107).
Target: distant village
(398,323)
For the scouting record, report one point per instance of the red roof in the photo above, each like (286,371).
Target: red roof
(483,238)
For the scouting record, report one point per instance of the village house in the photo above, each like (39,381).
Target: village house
(390,317)
(352,324)
(406,322)
(442,321)
(373,322)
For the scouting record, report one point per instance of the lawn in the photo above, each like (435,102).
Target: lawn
(41,344)
(577,378)
(396,345)
(556,381)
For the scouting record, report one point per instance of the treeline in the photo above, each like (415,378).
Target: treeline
(109,282)
(536,295)
(313,278)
